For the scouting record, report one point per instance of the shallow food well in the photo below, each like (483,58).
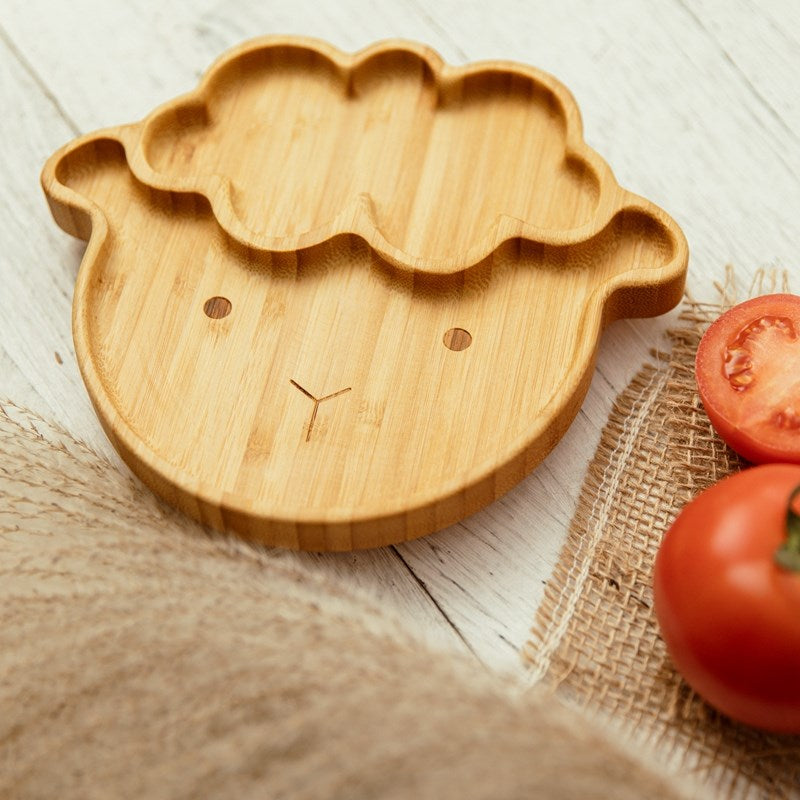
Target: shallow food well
(337,301)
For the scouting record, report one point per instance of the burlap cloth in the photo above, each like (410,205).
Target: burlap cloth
(595,639)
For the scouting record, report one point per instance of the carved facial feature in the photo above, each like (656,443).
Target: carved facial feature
(217,307)
(457,339)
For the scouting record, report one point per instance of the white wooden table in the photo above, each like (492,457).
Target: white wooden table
(694,103)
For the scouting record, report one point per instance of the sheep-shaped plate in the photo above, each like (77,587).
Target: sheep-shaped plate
(338,301)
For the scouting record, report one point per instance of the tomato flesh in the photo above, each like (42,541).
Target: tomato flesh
(748,377)
(729,615)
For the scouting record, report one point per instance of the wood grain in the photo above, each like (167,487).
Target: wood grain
(335,216)
(673,99)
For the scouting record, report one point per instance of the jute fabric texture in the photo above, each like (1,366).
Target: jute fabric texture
(595,640)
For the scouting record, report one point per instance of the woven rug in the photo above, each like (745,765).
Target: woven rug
(595,640)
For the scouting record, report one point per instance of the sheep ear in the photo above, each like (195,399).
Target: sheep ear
(652,255)
(79,177)
(172,140)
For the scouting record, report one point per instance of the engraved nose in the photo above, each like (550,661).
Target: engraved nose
(316,401)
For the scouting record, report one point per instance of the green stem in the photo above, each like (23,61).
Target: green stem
(787,556)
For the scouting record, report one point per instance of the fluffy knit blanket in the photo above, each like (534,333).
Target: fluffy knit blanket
(142,656)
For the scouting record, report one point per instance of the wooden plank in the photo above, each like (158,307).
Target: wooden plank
(660,100)
(761,41)
(38,264)
(157,52)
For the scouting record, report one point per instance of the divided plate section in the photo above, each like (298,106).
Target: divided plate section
(434,166)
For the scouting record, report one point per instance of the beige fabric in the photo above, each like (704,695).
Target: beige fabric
(141,656)
(595,640)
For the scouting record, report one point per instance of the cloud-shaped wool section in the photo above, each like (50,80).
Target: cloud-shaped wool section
(433,165)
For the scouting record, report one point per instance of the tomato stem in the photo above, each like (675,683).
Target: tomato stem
(787,556)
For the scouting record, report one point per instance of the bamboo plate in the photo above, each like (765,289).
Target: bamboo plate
(335,301)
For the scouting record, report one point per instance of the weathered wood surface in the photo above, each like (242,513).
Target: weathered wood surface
(696,106)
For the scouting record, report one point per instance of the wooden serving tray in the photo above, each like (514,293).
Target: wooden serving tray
(336,301)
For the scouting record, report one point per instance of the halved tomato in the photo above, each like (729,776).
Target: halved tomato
(748,376)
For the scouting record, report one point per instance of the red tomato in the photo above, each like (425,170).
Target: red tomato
(729,614)
(748,375)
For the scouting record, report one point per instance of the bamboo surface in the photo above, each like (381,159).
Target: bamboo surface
(335,302)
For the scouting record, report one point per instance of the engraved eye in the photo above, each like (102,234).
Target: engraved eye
(217,307)
(457,339)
